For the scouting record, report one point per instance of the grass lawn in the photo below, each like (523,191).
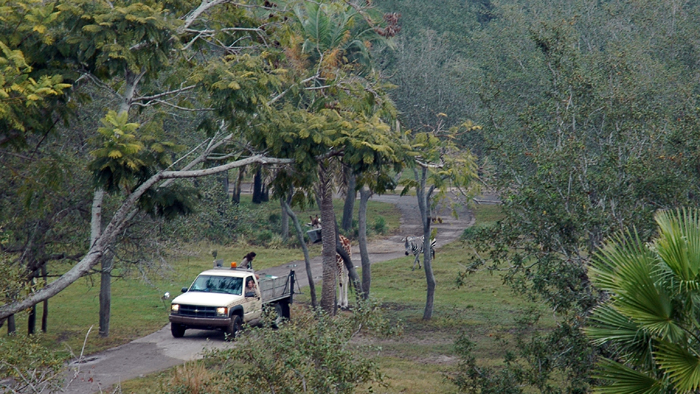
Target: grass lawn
(484,308)
(416,362)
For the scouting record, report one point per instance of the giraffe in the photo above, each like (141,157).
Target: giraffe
(342,299)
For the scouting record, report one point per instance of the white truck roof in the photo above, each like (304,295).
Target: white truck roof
(240,273)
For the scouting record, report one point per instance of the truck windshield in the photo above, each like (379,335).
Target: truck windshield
(218,284)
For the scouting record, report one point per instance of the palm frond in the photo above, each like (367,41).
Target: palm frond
(625,380)
(610,326)
(682,366)
(609,262)
(673,243)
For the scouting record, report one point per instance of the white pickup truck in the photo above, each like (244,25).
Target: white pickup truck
(221,298)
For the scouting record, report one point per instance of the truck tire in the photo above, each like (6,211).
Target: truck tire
(178,330)
(235,327)
(281,313)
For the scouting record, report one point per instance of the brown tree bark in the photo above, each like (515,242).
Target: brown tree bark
(328,303)
(423,196)
(11,327)
(348,207)
(45,311)
(106,294)
(258,187)
(365,194)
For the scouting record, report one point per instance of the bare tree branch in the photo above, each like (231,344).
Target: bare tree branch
(168,93)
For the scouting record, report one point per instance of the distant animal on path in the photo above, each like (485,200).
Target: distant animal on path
(247,261)
(414,245)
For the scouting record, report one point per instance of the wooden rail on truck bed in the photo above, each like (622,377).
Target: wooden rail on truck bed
(274,288)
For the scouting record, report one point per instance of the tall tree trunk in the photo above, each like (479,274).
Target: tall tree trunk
(365,194)
(106,294)
(328,303)
(107,259)
(225,182)
(31,321)
(424,206)
(346,223)
(307,260)
(11,327)
(284,221)
(265,192)
(45,310)
(257,187)
(236,198)
(96,216)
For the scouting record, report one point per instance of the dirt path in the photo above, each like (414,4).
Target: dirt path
(159,351)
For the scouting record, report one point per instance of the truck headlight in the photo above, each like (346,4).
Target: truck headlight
(222,312)
(174,308)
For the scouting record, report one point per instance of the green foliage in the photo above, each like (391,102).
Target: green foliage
(104,36)
(30,90)
(32,367)
(311,353)
(335,34)
(170,202)
(648,326)
(518,374)
(379,225)
(117,162)
(11,276)
(439,164)
(126,158)
(581,119)
(474,379)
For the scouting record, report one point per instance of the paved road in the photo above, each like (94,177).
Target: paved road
(159,351)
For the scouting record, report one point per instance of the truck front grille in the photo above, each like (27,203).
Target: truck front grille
(197,311)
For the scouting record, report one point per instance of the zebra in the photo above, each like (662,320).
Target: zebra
(415,245)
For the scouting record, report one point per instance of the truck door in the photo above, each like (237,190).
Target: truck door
(253,301)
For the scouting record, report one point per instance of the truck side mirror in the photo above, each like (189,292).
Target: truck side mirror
(184,290)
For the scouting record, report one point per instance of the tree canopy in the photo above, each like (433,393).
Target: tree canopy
(182,90)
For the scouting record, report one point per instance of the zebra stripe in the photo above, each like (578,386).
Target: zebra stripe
(414,245)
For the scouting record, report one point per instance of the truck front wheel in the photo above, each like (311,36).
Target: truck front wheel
(178,330)
(235,327)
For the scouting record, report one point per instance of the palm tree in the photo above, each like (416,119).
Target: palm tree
(335,35)
(334,46)
(650,325)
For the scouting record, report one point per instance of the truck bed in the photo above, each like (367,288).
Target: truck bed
(273,288)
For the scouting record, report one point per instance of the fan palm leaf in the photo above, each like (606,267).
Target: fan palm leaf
(610,326)
(650,320)
(682,366)
(626,380)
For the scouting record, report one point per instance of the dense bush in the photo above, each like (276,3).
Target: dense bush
(27,366)
(312,353)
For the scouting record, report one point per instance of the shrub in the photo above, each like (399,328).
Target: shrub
(263,237)
(311,353)
(31,366)
(379,225)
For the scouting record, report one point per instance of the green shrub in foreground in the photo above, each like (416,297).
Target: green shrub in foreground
(27,366)
(311,353)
